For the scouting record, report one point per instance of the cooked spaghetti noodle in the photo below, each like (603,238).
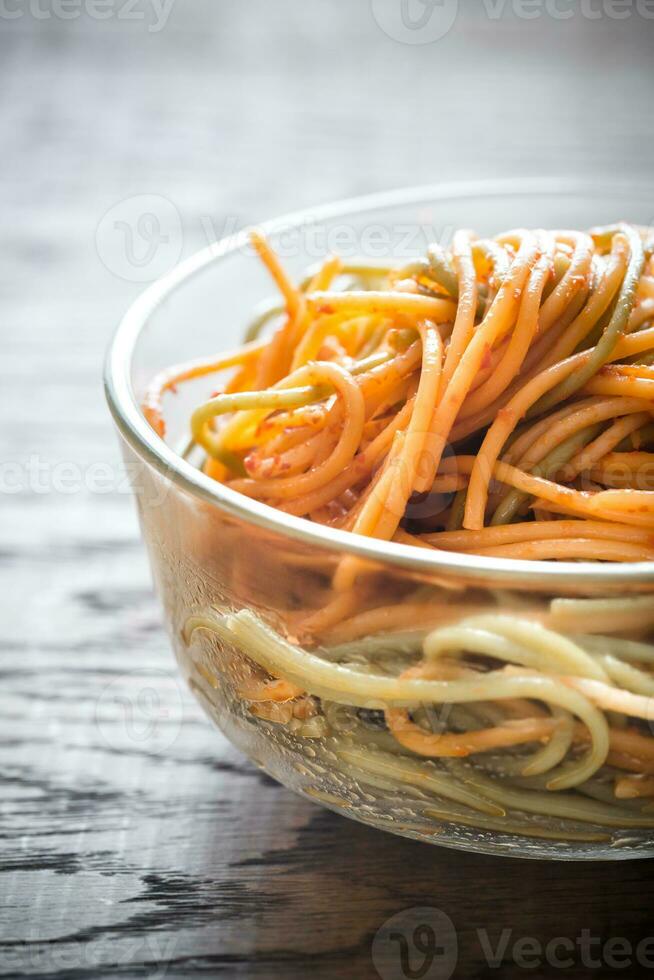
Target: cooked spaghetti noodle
(494,399)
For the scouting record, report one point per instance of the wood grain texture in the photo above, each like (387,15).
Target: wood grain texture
(135,842)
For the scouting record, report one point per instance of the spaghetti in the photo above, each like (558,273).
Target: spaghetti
(439,356)
(492,399)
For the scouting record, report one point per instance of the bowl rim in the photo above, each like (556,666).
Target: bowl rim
(151,448)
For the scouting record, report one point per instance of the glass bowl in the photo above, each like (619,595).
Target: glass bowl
(236,577)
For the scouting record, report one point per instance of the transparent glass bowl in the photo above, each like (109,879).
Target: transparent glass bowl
(215,552)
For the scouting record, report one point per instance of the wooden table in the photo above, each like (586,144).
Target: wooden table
(135,841)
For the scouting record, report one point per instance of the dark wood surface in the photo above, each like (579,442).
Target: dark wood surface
(134,840)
